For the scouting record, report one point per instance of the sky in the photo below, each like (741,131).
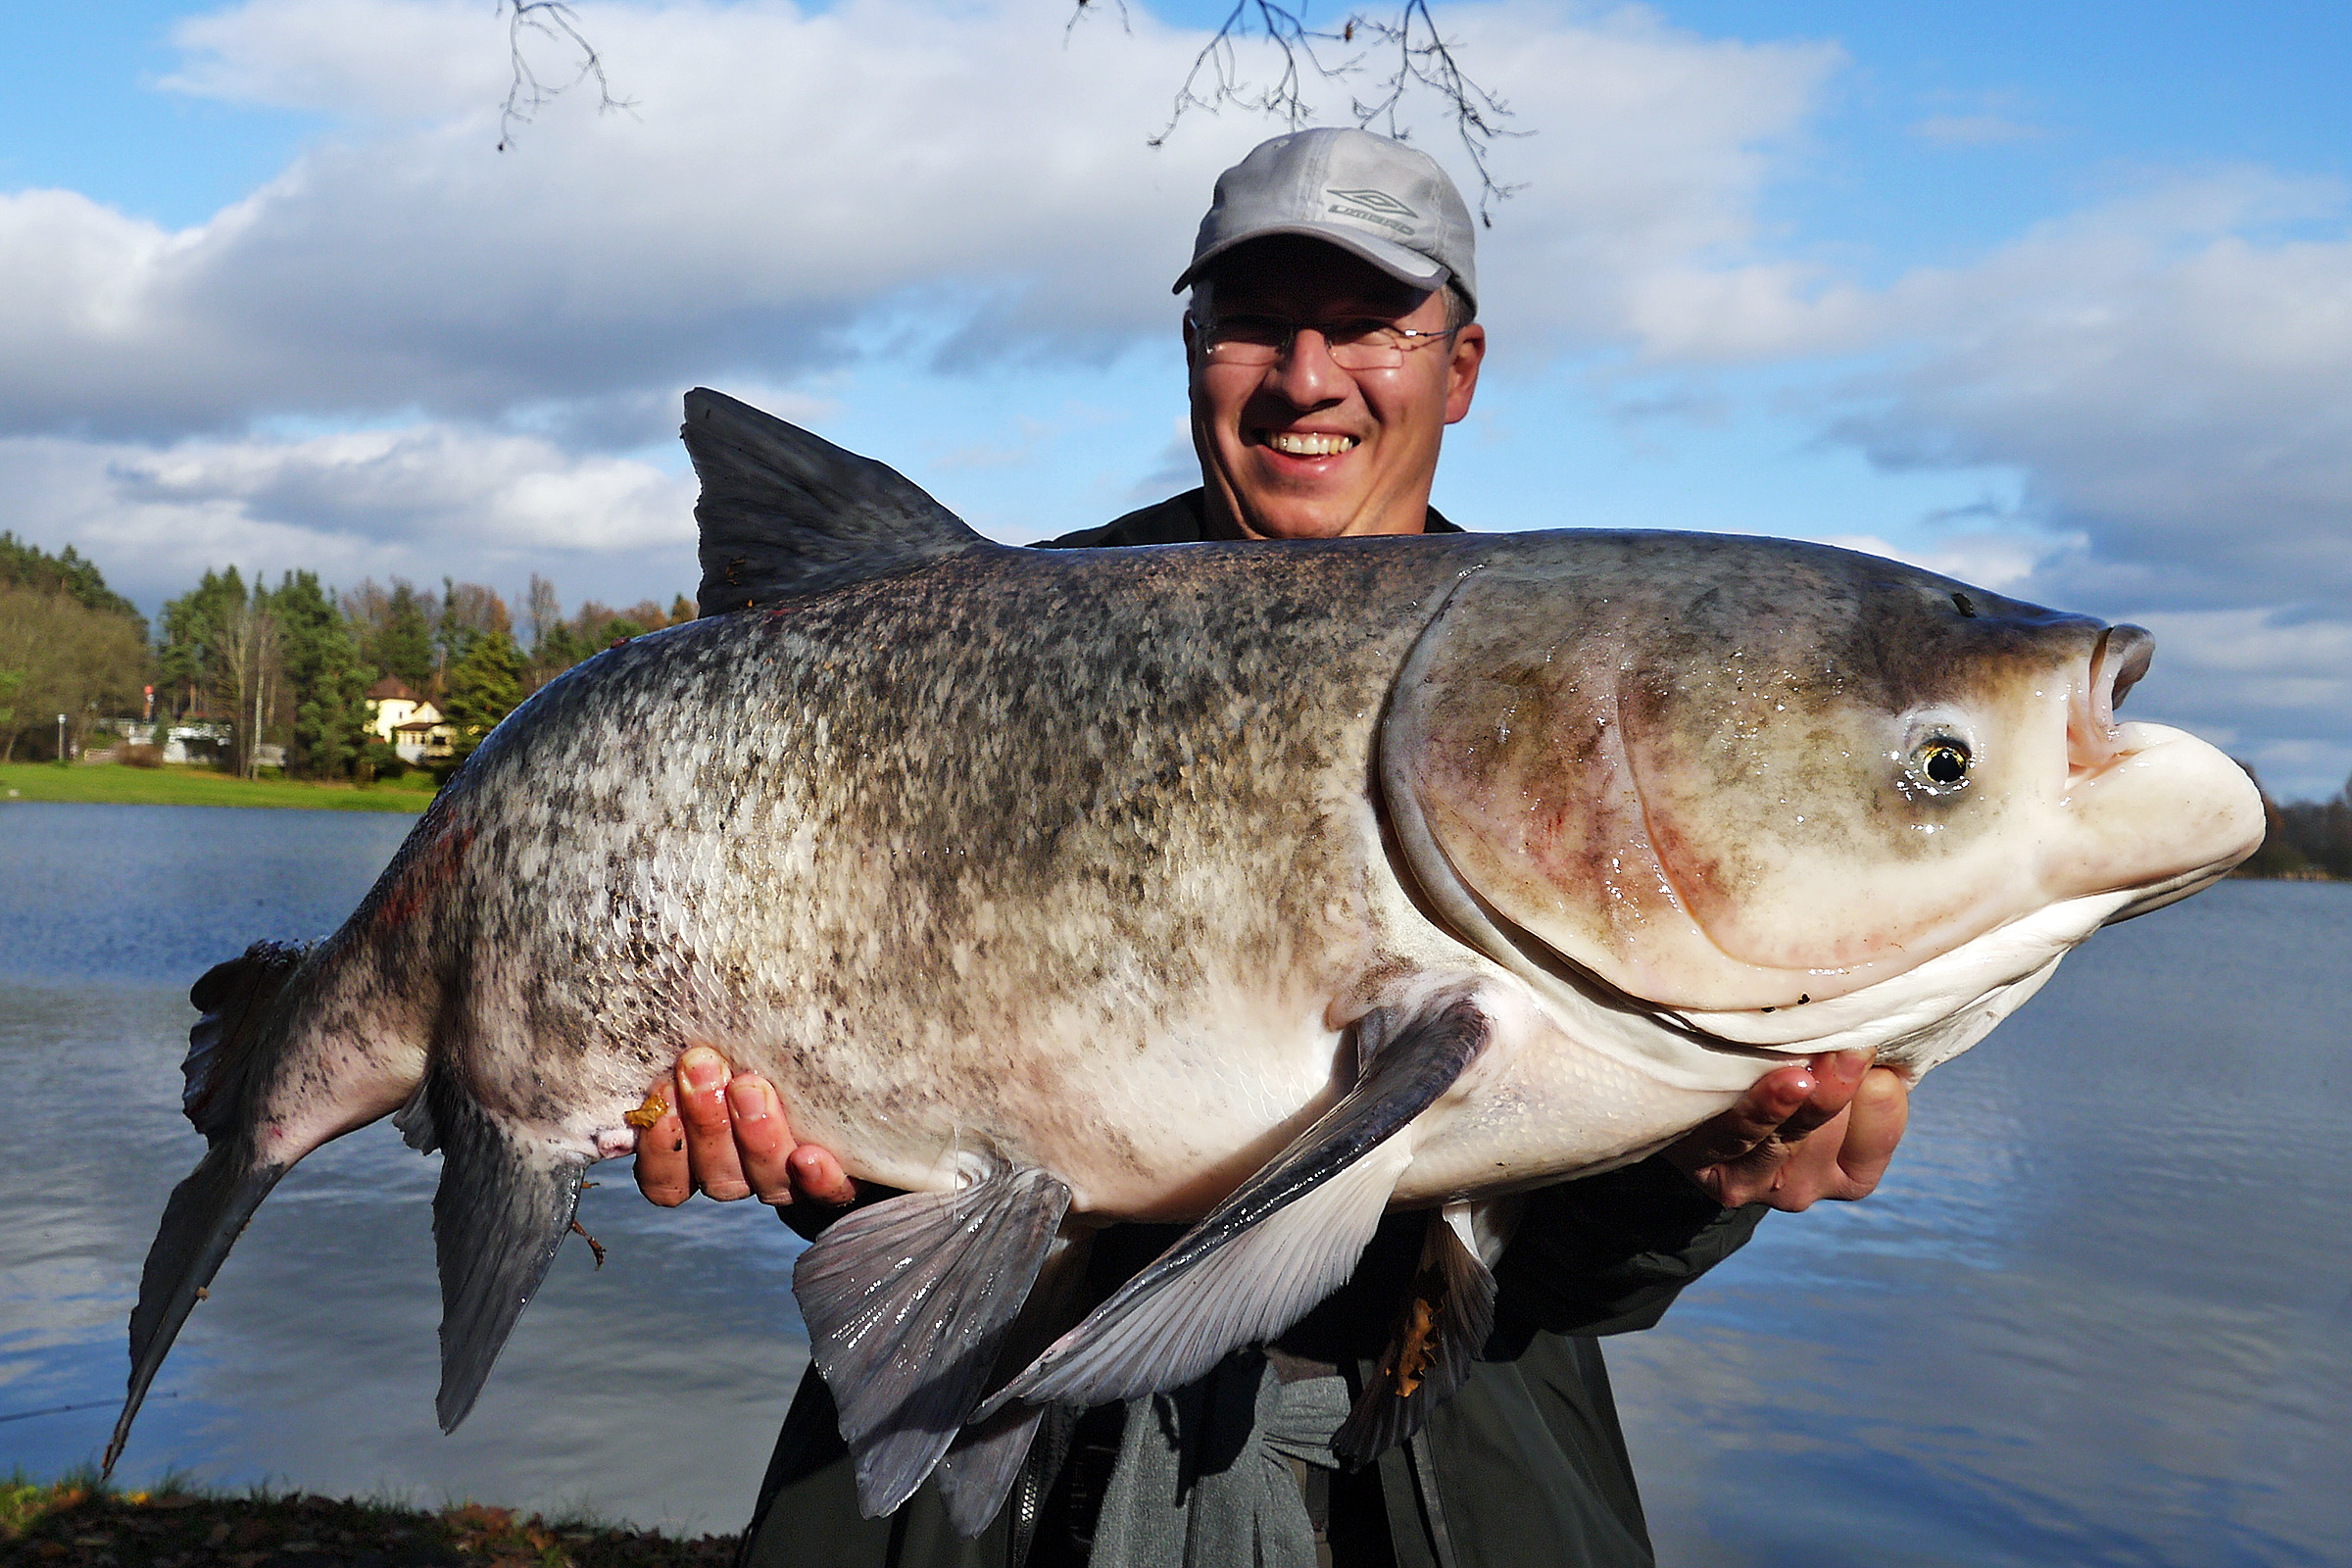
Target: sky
(2057,299)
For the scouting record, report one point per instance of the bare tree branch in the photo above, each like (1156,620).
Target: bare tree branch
(529,92)
(1409,46)
(1413,51)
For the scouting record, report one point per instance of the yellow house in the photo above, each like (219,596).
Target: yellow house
(407,722)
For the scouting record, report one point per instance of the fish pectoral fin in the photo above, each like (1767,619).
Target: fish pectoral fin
(909,1304)
(1286,1239)
(1446,1314)
(501,1212)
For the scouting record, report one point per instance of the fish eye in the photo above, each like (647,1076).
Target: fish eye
(1937,764)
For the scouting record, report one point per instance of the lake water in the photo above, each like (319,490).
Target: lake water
(2099,1313)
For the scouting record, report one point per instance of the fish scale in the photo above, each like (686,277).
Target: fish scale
(1260,887)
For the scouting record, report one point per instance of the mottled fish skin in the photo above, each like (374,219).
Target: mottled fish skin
(1257,885)
(977,864)
(1068,859)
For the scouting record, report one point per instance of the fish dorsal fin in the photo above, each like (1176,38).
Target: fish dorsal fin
(784,513)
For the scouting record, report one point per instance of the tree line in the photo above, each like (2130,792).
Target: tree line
(2306,838)
(288,667)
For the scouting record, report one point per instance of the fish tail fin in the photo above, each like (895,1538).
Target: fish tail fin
(502,1211)
(227,1043)
(231,1050)
(200,1222)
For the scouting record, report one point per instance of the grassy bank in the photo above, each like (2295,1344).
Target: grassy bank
(112,784)
(74,1524)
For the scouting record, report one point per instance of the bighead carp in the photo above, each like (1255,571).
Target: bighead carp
(1260,886)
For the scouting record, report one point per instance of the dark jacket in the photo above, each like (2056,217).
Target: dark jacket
(1525,1465)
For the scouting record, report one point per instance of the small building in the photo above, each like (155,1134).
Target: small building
(423,739)
(407,722)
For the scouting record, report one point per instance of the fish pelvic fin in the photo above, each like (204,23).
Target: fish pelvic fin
(1285,1240)
(783,512)
(1446,1314)
(501,1212)
(984,1462)
(909,1305)
(235,999)
(200,1222)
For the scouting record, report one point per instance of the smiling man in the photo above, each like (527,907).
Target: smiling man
(1329,340)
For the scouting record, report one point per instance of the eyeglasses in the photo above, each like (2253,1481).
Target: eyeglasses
(1364,344)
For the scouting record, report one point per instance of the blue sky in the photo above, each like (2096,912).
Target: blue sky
(2058,299)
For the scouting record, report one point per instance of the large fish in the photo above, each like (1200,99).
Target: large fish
(1266,887)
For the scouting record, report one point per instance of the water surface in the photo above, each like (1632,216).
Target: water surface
(2100,1312)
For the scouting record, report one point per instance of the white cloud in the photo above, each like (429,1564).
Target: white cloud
(788,186)
(2175,375)
(418,502)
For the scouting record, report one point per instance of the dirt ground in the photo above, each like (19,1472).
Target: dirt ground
(71,1525)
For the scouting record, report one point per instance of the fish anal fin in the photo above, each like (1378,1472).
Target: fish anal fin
(785,513)
(909,1304)
(500,1214)
(1447,1313)
(235,999)
(1286,1239)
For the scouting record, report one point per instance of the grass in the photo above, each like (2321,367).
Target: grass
(80,1522)
(112,784)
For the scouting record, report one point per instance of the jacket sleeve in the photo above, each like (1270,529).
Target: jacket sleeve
(1608,1253)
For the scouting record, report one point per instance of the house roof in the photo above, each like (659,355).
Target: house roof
(391,687)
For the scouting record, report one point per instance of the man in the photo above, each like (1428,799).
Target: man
(1329,340)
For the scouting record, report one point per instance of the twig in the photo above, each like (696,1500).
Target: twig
(594,1245)
(528,92)
(1421,57)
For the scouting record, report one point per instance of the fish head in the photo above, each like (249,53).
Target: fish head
(1719,773)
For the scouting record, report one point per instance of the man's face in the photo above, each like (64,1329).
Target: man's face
(1302,449)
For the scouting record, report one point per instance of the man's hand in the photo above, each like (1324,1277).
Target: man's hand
(725,1134)
(1802,1134)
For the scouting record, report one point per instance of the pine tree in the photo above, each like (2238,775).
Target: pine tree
(484,687)
(328,681)
(404,647)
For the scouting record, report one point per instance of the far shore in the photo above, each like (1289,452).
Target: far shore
(114,784)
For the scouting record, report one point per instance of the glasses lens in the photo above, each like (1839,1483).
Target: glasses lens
(1247,339)
(1364,345)
(1358,345)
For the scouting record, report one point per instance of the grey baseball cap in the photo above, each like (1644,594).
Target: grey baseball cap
(1374,198)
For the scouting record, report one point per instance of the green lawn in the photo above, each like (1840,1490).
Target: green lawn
(112,784)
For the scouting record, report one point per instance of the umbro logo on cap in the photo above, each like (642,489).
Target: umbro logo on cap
(1380,201)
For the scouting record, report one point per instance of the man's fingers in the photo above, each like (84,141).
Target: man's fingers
(710,1131)
(1882,1110)
(1838,1077)
(819,1177)
(1748,1125)
(663,1173)
(763,1136)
